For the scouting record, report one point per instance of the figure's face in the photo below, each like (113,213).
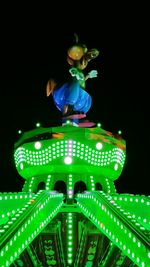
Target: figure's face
(79,56)
(76,52)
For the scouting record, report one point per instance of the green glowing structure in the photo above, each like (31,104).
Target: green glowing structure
(69,213)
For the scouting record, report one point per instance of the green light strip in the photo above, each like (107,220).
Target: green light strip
(31,184)
(48,182)
(70,186)
(92,183)
(61,149)
(70,238)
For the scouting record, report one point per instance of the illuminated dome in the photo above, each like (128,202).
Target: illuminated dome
(70,149)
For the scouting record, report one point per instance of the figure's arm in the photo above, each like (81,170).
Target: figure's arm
(76,73)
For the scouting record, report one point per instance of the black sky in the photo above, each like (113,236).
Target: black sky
(33,48)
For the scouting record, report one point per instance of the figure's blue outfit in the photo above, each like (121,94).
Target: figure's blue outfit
(71,93)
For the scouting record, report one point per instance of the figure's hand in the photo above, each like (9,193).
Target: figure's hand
(92,74)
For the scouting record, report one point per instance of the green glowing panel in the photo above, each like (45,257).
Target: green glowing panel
(69,149)
(120,227)
(22,228)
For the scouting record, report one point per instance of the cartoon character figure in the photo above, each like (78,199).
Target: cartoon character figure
(71,98)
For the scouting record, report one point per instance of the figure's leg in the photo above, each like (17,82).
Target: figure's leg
(59,96)
(72,92)
(84,101)
(71,97)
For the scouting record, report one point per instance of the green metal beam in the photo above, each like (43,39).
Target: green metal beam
(25,225)
(124,232)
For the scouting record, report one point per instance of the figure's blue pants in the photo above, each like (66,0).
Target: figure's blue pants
(72,94)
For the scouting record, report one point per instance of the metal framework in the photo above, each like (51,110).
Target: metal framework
(69,213)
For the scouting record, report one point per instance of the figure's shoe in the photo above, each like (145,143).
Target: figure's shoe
(86,123)
(69,113)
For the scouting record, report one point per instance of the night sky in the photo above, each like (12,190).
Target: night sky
(33,49)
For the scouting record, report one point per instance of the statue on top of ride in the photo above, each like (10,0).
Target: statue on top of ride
(72,98)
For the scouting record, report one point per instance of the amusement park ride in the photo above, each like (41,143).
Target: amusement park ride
(69,213)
